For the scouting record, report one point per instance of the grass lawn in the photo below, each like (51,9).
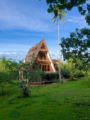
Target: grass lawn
(69,101)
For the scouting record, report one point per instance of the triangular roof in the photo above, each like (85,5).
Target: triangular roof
(33,53)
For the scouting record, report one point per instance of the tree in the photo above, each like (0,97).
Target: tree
(72,69)
(23,81)
(82,6)
(85,12)
(10,68)
(58,6)
(8,73)
(28,72)
(59,15)
(77,46)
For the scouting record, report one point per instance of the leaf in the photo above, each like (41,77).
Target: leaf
(54,19)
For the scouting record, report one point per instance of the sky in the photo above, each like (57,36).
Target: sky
(24,23)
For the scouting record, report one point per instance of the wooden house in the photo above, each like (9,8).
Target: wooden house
(40,55)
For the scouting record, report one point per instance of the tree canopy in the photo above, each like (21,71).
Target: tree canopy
(77,45)
(82,5)
(8,70)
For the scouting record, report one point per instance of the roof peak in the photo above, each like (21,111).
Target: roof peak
(42,41)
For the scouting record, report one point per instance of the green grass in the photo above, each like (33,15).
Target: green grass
(69,101)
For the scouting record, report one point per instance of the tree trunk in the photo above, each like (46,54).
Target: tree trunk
(59,49)
(24,85)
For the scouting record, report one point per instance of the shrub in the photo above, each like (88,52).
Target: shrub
(72,70)
(5,89)
(79,73)
(34,76)
(24,90)
(8,70)
(41,77)
(65,71)
(50,77)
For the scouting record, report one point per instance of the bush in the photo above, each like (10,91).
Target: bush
(50,77)
(5,89)
(65,71)
(79,73)
(36,76)
(8,70)
(33,75)
(41,77)
(71,70)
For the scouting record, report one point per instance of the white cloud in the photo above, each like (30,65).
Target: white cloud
(31,18)
(14,15)
(79,20)
(12,55)
(21,54)
(8,53)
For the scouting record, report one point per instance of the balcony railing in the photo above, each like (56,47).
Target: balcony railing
(43,50)
(43,61)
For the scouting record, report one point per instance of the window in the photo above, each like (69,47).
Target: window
(45,67)
(42,56)
(48,67)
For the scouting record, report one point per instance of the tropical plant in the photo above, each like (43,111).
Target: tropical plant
(77,47)
(59,15)
(83,6)
(8,70)
(72,69)
(8,73)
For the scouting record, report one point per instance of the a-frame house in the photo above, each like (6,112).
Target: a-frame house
(39,54)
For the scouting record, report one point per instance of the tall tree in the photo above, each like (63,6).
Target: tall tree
(77,46)
(82,6)
(87,15)
(59,15)
(67,5)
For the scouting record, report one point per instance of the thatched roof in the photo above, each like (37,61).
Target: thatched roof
(33,52)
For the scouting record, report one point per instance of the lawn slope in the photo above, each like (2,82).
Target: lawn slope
(69,101)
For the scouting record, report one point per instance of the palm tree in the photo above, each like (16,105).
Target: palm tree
(59,15)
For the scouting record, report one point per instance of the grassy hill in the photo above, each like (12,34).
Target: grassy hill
(69,101)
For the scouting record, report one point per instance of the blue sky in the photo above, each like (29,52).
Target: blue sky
(23,23)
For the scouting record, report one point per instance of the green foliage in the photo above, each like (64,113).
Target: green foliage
(8,70)
(36,76)
(67,69)
(5,89)
(64,4)
(8,73)
(82,6)
(87,17)
(50,77)
(24,91)
(70,101)
(72,69)
(88,77)
(77,46)
(32,72)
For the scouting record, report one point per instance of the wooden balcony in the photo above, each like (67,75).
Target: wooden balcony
(43,50)
(43,61)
